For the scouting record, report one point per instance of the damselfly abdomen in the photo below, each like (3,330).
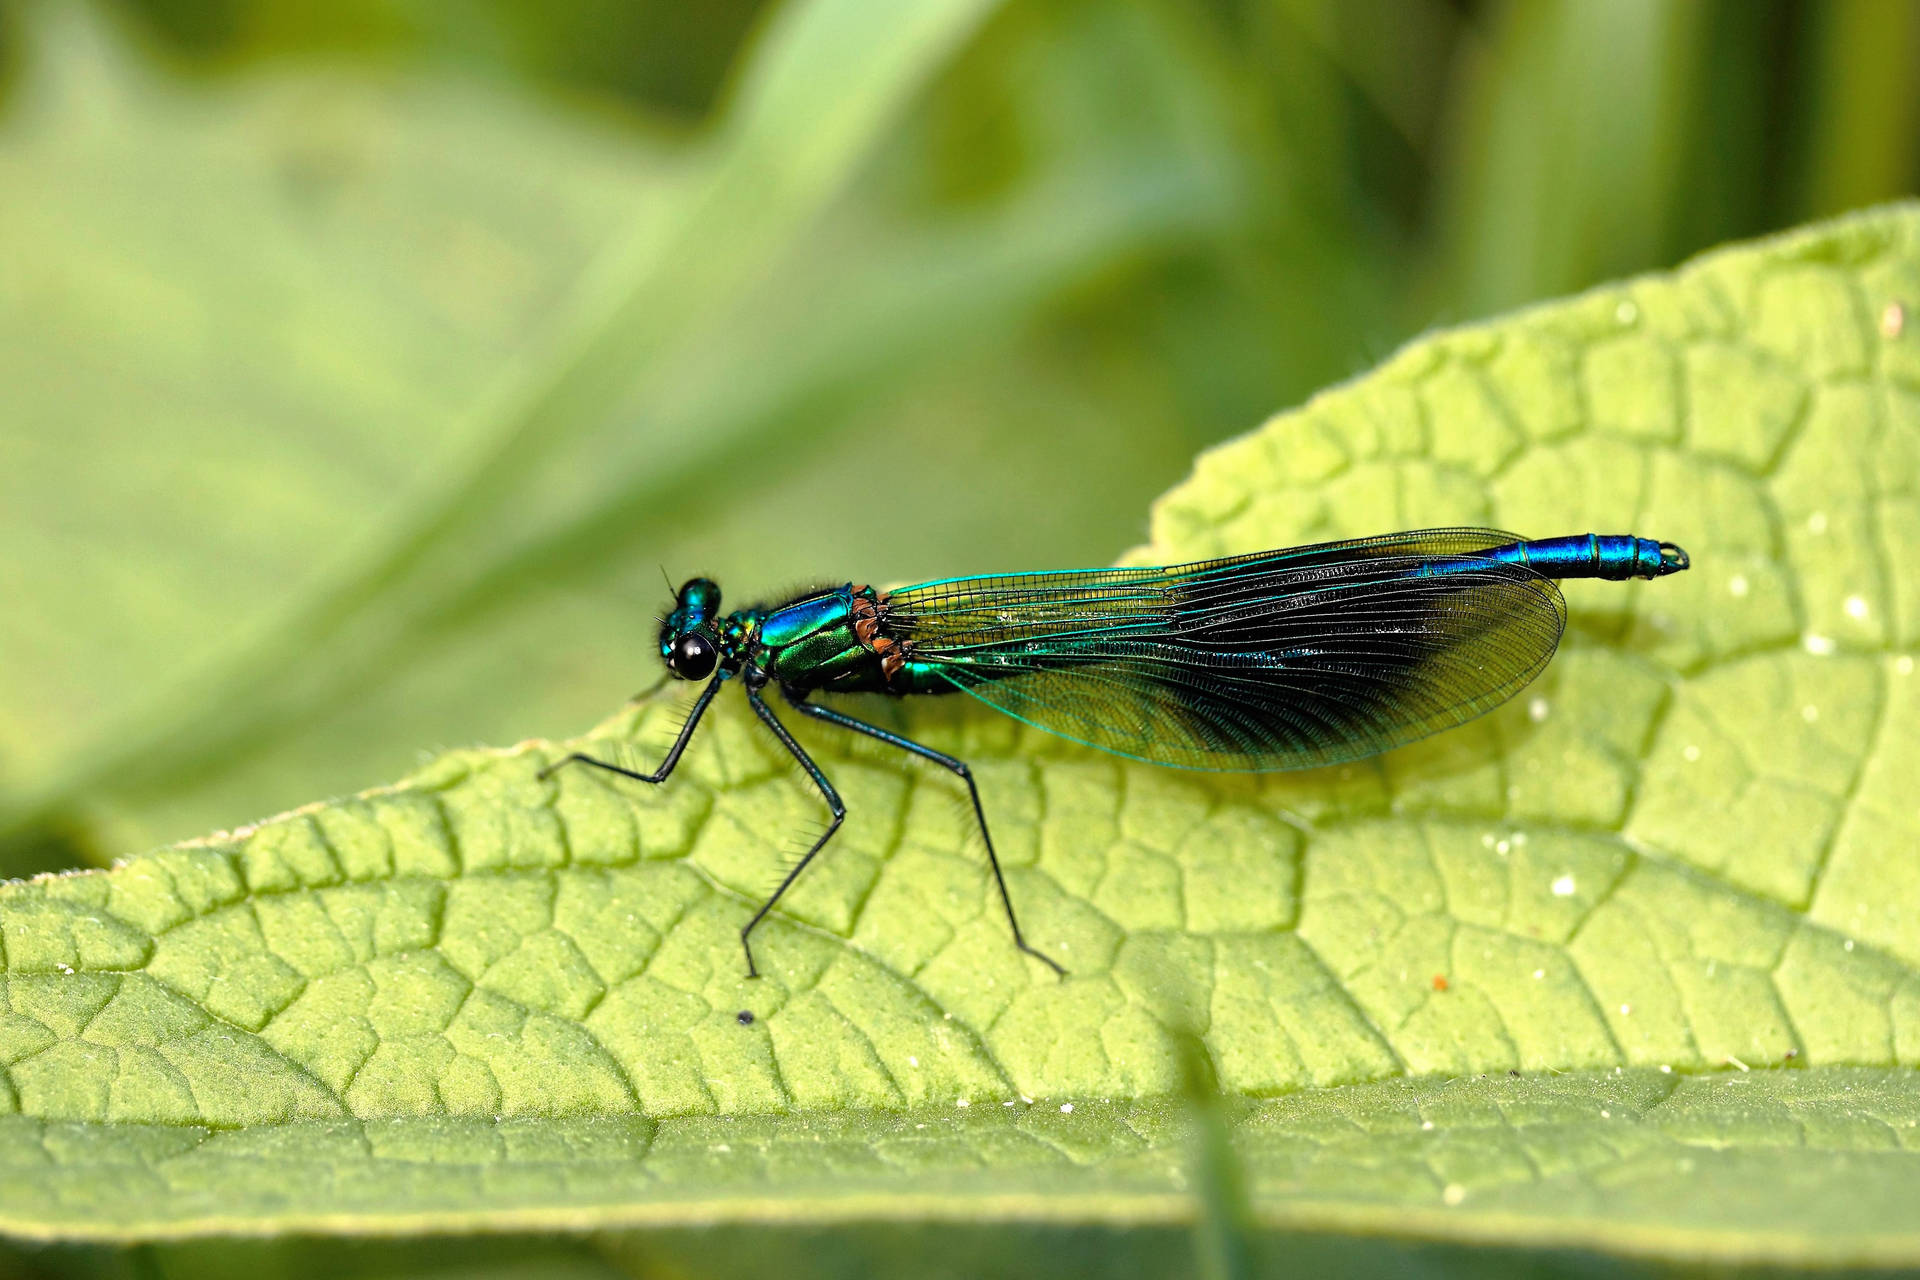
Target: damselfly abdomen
(1276,660)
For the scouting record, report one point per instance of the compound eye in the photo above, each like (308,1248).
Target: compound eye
(694,657)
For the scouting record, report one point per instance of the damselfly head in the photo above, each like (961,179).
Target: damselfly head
(687,641)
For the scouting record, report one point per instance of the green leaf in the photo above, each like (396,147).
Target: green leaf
(1631,963)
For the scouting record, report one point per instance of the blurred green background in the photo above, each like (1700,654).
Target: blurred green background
(365,364)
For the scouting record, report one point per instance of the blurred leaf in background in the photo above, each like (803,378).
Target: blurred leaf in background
(368,361)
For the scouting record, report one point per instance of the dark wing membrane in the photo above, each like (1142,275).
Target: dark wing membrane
(1278,660)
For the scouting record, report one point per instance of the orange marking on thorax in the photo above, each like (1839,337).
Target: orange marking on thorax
(867,617)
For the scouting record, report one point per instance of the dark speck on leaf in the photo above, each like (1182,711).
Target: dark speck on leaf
(745,1017)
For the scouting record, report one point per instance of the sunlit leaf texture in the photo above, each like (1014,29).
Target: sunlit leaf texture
(1633,962)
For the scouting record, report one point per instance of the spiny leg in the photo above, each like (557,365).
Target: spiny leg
(966,775)
(833,802)
(666,766)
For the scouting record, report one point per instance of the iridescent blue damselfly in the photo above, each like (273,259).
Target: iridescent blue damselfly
(1276,660)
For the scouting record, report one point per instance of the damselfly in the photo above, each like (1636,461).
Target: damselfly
(1276,660)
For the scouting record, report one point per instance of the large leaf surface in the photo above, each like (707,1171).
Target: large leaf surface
(1671,887)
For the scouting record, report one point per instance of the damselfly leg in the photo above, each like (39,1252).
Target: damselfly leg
(666,766)
(834,803)
(957,766)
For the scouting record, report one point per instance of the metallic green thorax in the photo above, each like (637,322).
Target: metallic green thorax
(815,642)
